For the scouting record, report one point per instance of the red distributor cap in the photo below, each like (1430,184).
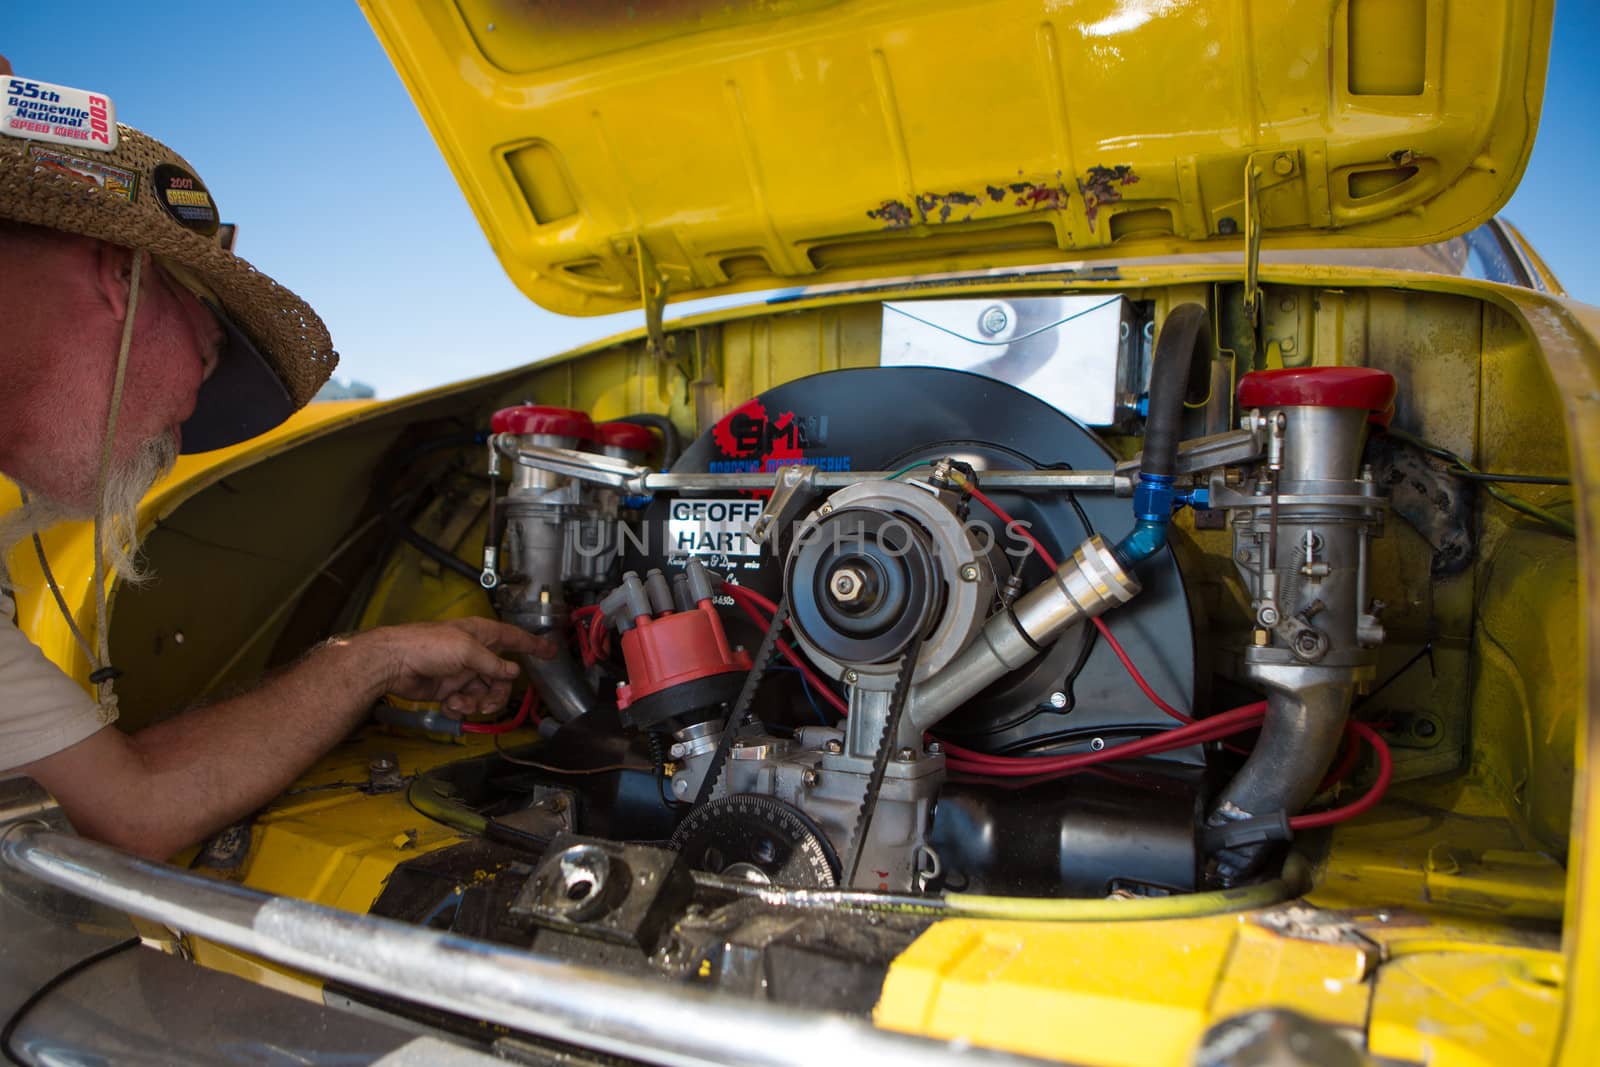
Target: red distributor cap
(1327,387)
(526,419)
(625,435)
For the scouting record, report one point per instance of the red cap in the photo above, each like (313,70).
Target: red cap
(625,435)
(551,422)
(1326,387)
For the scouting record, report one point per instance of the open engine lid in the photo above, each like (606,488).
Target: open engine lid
(611,146)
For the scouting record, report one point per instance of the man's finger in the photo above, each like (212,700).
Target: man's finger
(504,637)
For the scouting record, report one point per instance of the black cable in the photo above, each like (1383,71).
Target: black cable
(671,443)
(1518,479)
(51,986)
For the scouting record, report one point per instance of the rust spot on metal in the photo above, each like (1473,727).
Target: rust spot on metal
(1033,196)
(1403,157)
(944,204)
(893,214)
(1102,185)
(996,193)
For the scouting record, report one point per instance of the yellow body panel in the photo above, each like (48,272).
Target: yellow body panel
(722,147)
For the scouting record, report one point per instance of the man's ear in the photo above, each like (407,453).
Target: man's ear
(114,276)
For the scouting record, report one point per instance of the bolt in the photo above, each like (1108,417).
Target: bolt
(1261,638)
(851,677)
(833,747)
(1306,642)
(680,786)
(1288,344)
(1267,615)
(1058,699)
(993,320)
(845,584)
(1424,728)
(906,755)
(177,637)
(1287,303)
(935,748)
(678,750)
(1226,225)
(1097,744)
(825,509)
(969,572)
(1282,165)
(380,765)
(809,776)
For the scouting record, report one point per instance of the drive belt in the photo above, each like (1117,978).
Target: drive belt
(880,760)
(739,710)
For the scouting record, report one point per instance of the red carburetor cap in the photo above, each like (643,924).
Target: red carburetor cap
(536,420)
(673,645)
(1326,387)
(624,439)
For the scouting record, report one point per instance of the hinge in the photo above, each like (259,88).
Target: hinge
(653,293)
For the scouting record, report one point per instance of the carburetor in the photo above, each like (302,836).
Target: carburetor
(561,535)
(1302,527)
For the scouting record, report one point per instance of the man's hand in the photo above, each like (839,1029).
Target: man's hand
(453,662)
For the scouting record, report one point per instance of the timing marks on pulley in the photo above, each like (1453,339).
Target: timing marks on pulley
(757,838)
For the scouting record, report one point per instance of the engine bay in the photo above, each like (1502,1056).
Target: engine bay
(885,647)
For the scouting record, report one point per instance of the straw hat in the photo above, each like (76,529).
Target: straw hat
(141,194)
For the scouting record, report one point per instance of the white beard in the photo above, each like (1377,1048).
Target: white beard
(126,484)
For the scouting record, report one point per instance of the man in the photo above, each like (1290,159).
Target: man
(128,334)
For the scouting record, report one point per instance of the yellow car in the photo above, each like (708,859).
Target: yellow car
(1118,591)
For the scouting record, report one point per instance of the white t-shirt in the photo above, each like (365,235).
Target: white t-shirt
(42,711)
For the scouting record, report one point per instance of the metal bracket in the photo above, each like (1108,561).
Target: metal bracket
(1228,449)
(791,494)
(653,294)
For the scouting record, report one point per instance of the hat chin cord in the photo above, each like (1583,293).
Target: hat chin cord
(104,674)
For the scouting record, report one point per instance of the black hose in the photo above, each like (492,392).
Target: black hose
(1185,339)
(397,523)
(671,443)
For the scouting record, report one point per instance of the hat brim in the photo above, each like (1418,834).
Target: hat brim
(242,398)
(58,189)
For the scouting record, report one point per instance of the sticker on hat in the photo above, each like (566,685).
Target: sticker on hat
(185,198)
(39,111)
(116,181)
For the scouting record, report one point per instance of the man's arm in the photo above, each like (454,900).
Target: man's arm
(170,785)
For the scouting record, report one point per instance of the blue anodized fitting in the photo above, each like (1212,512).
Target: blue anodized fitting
(1153,502)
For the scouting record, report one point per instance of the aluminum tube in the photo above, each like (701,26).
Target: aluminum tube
(999,649)
(1089,584)
(1042,480)
(603,470)
(622,1015)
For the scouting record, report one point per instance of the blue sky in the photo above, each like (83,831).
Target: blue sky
(294,117)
